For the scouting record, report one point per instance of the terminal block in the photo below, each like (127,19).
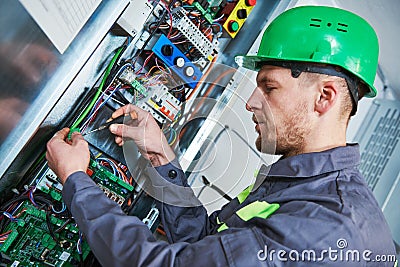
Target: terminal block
(128,77)
(192,33)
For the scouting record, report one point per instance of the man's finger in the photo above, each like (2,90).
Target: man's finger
(121,111)
(134,112)
(118,139)
(76,138)
(61,134)
(124,130)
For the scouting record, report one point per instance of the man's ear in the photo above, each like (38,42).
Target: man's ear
(327,96)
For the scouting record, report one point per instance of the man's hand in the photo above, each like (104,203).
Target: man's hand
(146,133)
(65,158)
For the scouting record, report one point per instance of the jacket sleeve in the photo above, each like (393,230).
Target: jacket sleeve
(182,222)
(120,240)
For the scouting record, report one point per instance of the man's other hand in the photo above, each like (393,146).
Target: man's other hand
(145,132)
(66,157)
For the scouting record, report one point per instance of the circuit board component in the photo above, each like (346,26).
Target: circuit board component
(128,76)
(165,103)
(30,244)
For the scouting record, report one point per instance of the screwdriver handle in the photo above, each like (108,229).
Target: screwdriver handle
(133,116)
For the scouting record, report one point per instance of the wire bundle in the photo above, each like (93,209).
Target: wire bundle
(118,169)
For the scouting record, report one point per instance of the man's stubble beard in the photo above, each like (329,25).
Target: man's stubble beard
(290,135)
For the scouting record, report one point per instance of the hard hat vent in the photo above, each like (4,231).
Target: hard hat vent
(315,22)
(342,27)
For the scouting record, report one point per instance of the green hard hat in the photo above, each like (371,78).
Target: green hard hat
(320,34)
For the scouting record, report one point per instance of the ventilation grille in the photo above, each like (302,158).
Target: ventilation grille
(318,23)
(380,147)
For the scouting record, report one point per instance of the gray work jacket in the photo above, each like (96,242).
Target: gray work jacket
(318,211)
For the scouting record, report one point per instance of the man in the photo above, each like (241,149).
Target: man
(312,208)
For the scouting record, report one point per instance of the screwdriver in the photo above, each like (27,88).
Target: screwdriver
(120,120)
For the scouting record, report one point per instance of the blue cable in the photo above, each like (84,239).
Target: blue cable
(63,208)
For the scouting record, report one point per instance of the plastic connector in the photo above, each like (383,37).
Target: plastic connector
(71,131)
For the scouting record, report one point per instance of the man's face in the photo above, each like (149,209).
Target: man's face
(282,110)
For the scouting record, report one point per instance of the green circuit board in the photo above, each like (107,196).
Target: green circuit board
(30,243)
(28,240)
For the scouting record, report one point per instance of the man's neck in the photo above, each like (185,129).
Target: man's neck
(320,141)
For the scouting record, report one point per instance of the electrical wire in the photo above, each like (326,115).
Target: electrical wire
(219,18)
(79,249)
(63,208)
(85,125)
(100,89)
(202,79)
(9,216)
(98,104)
(63,225)
(31,197)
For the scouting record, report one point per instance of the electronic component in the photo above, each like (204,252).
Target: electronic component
(192,33)
(28,239)
(204,12)
(238,16)
(128,76)
(151,217)
(177,61)
(30,244)
(164,103)
(115,188)
(161,119)
(49,184)
(209,8)
(138,9)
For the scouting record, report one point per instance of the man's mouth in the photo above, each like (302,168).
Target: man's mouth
(254,119)
(257,127)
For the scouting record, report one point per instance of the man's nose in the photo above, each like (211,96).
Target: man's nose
(252,101)
(248,107)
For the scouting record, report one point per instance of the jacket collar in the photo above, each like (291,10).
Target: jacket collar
(311,164)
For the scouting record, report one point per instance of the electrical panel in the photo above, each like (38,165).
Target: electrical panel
(168,49)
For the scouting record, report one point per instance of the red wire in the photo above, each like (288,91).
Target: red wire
(145,63)
(170,18)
